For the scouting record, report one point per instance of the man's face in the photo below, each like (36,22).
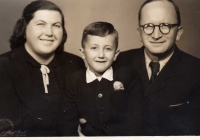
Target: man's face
(156,13)
(99,52)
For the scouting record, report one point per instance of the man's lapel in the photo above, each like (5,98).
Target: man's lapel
(168,71)
(140,67)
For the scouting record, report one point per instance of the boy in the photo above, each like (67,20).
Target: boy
(109,101)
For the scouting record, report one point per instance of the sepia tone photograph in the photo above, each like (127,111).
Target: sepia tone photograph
(100,68)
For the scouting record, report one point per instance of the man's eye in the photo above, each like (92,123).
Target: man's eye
(148,25)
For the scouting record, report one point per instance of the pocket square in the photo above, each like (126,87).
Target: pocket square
(176,105)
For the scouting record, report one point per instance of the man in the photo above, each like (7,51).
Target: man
(171,77)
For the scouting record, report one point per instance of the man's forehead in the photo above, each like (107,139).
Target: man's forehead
(159,11)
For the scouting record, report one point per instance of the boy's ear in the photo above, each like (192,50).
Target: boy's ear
(116,54)
(82,52)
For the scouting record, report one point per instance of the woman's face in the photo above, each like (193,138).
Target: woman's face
(44,33)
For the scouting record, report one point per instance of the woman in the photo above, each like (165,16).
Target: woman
(32,75)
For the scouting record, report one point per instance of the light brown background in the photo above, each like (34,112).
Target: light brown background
(121,13)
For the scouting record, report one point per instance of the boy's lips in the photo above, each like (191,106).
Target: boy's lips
(100,61)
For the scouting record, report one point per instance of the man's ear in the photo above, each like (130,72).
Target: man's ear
(82,52)
(116,54)
(179,33)
(139,34)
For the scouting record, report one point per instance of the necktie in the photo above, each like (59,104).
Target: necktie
(155,66)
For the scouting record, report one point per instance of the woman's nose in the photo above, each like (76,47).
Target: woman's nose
(48,31)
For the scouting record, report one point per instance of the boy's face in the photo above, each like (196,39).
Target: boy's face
(99,52)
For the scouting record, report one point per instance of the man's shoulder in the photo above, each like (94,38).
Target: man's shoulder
(189,59)
(124,72)
(126,58)
(131,52)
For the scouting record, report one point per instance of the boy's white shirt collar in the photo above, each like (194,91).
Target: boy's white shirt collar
(90,76)
(162,63)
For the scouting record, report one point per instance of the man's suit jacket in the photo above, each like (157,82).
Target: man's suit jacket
(108,112)
(171,102)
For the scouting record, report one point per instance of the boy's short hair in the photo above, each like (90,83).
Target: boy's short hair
(101,29)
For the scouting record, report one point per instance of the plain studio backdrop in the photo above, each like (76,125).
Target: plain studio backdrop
(122,14)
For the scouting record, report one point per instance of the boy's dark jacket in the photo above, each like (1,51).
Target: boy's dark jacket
(116,113)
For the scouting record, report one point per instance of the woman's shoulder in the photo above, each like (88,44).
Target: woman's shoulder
(11,55)
(72,59)
(69,56)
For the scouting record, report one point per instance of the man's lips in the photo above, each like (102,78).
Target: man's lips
(160,42)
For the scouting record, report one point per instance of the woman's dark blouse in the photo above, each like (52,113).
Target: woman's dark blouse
(23,100)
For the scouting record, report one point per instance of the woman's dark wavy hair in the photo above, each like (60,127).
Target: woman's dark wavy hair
(18,37)
(178,15)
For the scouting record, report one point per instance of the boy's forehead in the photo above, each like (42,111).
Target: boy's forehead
(108,39)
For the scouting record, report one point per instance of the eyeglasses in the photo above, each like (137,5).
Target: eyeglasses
(163,27)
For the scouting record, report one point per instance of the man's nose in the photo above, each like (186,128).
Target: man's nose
(156,34)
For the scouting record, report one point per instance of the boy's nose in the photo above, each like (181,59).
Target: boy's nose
(101,54)
(156,34)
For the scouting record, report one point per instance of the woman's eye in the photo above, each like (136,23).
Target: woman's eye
(41,24)
(56,25)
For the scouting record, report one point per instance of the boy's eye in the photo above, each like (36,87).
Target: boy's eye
(108,49)
(94,48)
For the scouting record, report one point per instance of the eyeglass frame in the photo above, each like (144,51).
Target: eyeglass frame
(169,25)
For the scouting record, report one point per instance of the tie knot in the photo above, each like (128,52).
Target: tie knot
(155,66)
